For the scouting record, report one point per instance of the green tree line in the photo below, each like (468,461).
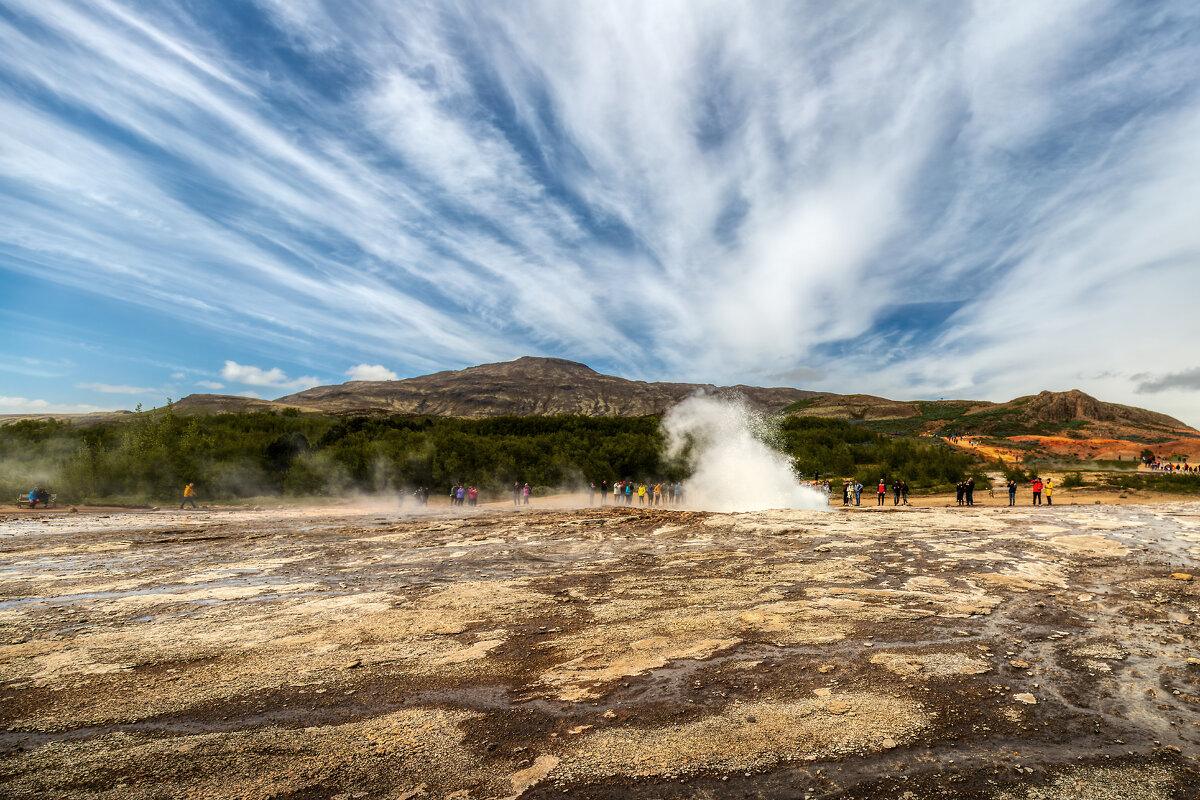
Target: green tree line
(234,456)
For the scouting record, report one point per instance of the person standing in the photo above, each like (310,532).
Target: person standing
(970,491)
(895,493)
(904,492)
(845,493)
(516,493)
(1047,488)
(525,493)
(592,493)
(858,490)
(960,489)
(189,496)
(880,492)
(1036,485)
(1012,492)
(603,493)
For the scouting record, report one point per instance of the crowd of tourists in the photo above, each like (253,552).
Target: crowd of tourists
(1169,466)
(661,493)
(852,488)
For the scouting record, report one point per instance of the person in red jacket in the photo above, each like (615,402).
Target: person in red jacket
(1036,485)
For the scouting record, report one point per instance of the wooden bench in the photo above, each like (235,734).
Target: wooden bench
(23,501)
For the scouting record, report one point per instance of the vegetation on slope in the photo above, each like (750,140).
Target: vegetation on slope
(232,456)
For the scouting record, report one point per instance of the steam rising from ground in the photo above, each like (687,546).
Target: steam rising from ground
(734,469)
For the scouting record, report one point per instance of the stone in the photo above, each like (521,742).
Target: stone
(889,743)
(356,663)
(1020,664)
(1025,698)
(1181,576)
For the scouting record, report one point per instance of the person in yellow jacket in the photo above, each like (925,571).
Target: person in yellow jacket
(641,494)
(1046,490)
(189,495)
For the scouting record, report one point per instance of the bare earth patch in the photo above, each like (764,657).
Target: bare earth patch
(993,653)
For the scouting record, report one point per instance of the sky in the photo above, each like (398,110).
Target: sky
(976,200)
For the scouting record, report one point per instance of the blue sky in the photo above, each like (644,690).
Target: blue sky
(919,200)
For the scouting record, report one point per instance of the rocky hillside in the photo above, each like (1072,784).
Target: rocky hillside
(544,386)
(527,386)
(1072,413)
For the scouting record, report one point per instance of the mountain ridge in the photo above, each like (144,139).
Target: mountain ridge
(535,386)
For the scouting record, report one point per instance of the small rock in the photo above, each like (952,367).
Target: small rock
(1181,576)
(354,664)
(824,668)
(578,729)
(1193,661)
(889,743)
(822,692)
(1025,698)
(1020,664)
(610,714)
(751,719)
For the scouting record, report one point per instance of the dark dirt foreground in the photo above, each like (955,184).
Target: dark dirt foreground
(993,653)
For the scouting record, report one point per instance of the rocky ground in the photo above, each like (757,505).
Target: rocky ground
(923,652)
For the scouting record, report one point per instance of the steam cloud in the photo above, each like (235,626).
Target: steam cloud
(734,469)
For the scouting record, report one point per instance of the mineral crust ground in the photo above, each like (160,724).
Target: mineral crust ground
(992,653)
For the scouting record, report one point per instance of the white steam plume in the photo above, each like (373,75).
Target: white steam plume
(733,468)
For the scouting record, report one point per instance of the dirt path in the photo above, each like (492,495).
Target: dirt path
(921,652)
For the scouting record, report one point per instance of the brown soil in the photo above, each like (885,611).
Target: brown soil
(895,652)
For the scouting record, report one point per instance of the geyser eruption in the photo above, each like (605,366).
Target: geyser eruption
(733,468)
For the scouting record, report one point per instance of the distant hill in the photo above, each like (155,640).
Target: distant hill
(526,386)
(1072,413)
(549,386)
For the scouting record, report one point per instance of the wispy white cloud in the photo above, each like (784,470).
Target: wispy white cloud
(689,188)
(274,377)
(371,372)
(109,388)
(25,405)
(214,385)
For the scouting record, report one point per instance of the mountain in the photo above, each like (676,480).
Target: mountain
(544,386)
(527,386)
(1072,413)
